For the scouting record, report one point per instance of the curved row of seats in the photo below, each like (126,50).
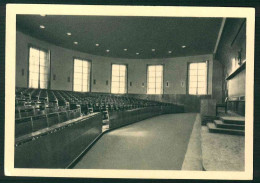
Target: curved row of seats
(30,111)
(28,125)
(94,101)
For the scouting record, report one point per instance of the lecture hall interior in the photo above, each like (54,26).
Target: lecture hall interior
(130,92)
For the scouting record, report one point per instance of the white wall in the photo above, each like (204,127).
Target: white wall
(175,69)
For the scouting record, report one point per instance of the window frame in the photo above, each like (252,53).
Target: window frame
(188,77)
(126,82)
(90,74)
(28,65)
(163,66)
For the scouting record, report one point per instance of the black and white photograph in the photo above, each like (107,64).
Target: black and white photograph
(129,92)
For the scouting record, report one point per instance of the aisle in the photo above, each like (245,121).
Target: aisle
(156,143)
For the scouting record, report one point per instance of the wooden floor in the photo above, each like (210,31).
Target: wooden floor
(157,143)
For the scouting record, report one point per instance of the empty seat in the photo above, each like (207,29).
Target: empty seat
(23,126)
(53,119)
(39,122)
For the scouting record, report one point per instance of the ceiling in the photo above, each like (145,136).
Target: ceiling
(139,35)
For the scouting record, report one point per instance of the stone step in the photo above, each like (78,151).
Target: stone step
(212,128)
(233,120)
(220,124)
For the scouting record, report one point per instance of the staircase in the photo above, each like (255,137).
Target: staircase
(233,125)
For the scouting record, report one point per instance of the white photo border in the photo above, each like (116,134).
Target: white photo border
(161,11)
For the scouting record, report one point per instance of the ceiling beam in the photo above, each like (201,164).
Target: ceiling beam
(219,35)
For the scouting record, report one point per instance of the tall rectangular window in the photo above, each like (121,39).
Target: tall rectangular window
(119,75)
(39,68)
(81,78)
(198,78)
(155,79)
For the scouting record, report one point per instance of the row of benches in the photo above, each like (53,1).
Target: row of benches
(28,125)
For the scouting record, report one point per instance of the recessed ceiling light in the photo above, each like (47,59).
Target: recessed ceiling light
(153,49)
(68,33)
(75,42)
(183,46)
(97,44)
(107,51)
(43,15)
(137,53)
(169,51)
(42,26)
(125,49)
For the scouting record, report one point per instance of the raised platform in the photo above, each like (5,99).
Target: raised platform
(222,152)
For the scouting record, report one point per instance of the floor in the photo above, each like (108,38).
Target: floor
(158,143)
(223,152)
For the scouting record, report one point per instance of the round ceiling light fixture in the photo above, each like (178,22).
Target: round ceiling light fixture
(183,46)
(69,33)
(75,42)
(107,51)
(42,26)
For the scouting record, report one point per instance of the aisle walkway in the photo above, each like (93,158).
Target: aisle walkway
(156,143)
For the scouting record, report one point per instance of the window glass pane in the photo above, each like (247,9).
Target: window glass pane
(115,84)
(43,77)
(193,78)
(151,68)
(201,72)
(34,68)
(85,64)
(193,84)
(84,82)
(77,76)
(43,70)
(122,68)
(201,91)
(193,72)
(159,68)
(201,84)
(193,66)
(115,73)
(34,76)
(158,74)
(192,91)
(34,52)
(43,85)
(121,90)
(77,87)
(201,65)
(34,60)
(43,55)
(158,79)
(115,78)
(78,69)
(77,63)
(151,91)
(85,88)
(201,78)
(151,85)
(151,80)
